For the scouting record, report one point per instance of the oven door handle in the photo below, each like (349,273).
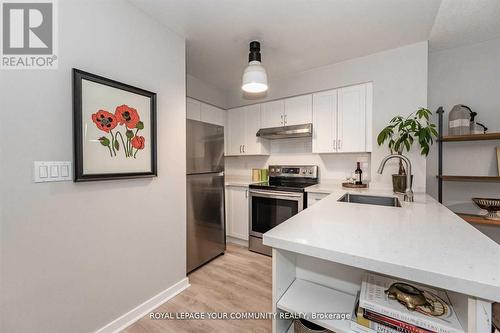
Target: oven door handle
(275,194)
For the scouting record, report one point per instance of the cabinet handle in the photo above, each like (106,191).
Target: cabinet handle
(246,194)
(286,120)
(243,148)
(282,121)
(340,144)
(334,144)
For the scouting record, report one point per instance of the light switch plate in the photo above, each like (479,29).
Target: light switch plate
(51,171)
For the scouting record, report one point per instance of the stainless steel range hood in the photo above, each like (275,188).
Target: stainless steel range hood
(285,132)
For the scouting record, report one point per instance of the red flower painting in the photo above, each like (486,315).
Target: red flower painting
(138,142)
(104,120)
(129,118)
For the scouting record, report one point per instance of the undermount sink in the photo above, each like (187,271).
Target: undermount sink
(371,200)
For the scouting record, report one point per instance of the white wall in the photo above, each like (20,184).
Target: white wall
(467,75)
(202,91)
(399,79)
(77,256)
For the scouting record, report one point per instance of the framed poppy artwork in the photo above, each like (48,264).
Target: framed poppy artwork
(114,127)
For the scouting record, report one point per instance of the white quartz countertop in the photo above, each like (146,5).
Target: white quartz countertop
(422,241)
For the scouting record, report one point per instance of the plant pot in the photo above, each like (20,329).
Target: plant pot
(399,183)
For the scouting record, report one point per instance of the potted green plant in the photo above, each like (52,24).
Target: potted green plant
(402,133)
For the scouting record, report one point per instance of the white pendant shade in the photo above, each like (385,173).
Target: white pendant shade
(254,78)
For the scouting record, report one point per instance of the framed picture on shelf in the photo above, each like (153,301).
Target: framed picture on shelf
(114,129)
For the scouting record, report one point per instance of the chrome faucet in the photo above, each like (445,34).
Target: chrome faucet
(408,191)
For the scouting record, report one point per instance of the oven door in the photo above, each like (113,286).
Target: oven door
(270,208)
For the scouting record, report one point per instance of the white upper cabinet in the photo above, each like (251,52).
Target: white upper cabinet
(351,128)
(200,111)
(298,110)
(193,109)
(286,112)
(272,114)
(252,144)
(243,124)
(325,121)
(213,115)
(235,131)
(342,120)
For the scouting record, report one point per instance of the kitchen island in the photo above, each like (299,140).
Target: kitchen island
(321,254)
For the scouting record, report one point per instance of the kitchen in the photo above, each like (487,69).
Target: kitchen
(261,166)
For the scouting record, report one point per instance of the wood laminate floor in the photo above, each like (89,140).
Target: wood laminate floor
(238,281)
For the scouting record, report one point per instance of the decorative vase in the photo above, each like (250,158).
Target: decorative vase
(399,183)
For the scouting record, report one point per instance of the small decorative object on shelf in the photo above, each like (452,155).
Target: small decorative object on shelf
(407,295)
(304,326)
(409,307)
(459,120)
(491,205)
(401,133)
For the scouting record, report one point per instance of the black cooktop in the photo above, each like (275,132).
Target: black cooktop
(283,184)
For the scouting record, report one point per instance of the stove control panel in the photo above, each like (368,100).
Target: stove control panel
(303,171)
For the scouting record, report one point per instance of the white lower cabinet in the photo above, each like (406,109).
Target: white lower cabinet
(237,218)
(313,198)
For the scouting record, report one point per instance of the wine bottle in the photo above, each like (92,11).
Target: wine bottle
(358,173)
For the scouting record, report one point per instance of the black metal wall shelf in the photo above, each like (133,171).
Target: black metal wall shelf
(462,178)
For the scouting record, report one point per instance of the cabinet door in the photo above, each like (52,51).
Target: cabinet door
(352,119)
(313,198)
(298,110)
(213,115)
(237,212)
(272,114)
(193,109)
(324,122)
(235,131)
(252,143)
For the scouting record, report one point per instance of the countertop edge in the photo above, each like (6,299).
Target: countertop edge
(399,271)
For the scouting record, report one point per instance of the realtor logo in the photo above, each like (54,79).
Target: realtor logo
(28,34)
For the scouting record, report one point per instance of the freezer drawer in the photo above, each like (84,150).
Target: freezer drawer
(205,218)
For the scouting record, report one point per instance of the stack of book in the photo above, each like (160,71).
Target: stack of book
(375,311)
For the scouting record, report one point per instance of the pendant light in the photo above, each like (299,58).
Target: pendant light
(254,76)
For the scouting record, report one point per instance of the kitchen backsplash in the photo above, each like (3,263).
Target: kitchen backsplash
(298,152)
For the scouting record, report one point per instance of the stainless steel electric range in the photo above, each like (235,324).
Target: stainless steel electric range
(275,201)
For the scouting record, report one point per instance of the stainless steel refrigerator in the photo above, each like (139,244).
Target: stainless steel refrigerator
(206,234)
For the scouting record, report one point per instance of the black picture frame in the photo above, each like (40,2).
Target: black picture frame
(79,176)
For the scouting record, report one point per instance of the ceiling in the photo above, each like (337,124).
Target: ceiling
(462,22)
(297,35)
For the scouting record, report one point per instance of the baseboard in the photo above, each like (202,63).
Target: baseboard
(237,241)
(143,309)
